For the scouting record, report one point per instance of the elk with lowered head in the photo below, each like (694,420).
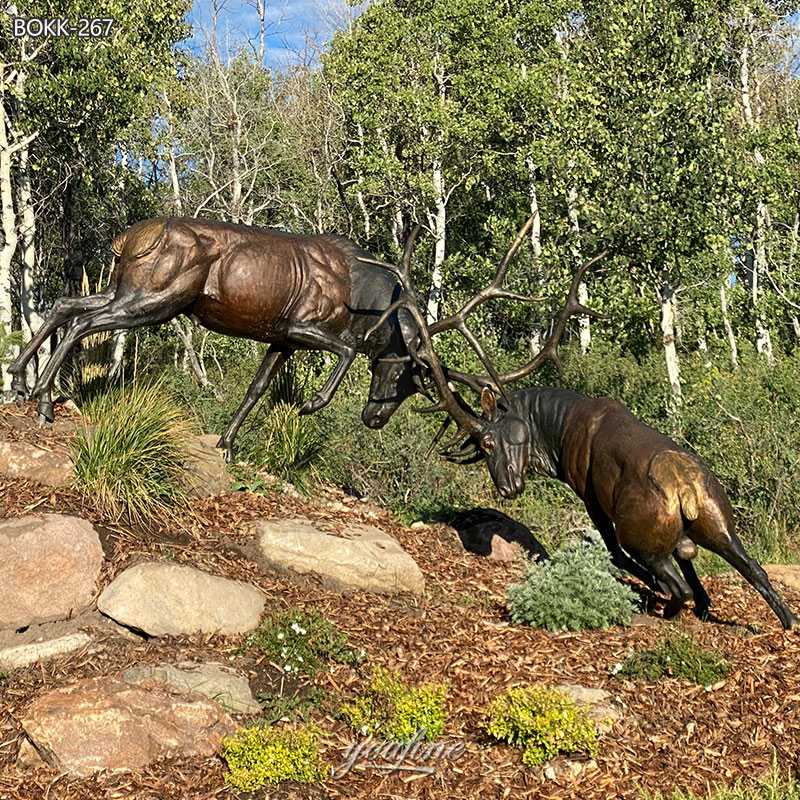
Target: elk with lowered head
(651,499)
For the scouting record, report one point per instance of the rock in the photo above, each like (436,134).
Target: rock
(419,525)
(52,467)
(567,768)
(787,574)
(163,599)
(362,557)
(599,704)
(207,472)
(49,568)
(501,550)
(215,681)
(478,529)
(24,654)
(108,723)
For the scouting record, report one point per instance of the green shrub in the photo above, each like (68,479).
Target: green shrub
(395,711)
(262,754)
(299,642)
(294,705)
(574,590)
(289,445)
(677,656)
(543,722)
(133,460)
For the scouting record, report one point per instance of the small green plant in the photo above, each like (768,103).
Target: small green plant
(677,656)
(132,461)
(263,754)
(286,707)
(299,642)
(395,711)
(776,785)
(574,590)
(543,722)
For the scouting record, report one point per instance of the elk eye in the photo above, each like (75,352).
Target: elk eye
(487,443)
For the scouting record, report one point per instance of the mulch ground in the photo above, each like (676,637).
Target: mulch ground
(674,735)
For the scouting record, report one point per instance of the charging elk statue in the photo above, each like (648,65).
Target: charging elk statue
(293,292)
(650,499)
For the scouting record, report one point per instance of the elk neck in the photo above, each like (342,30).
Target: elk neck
(545,411)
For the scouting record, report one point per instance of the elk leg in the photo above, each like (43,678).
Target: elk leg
(118,315)
(64,309)
(734,553)
(702,601)
(619,558)
(311,337)
(665,571)
(272,363)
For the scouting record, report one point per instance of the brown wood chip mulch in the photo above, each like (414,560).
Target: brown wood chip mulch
(674,735)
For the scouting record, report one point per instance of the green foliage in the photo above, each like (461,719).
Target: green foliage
(777,785)
(132,460)
(676,656)
(574,590)
(300,642)
(8,341)
(396,711)
(543,722)
(290,445)
(263,754)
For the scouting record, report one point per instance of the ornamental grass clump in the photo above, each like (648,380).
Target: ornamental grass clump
(574,590)
(676,656)
(300,642)
(397,712)
(264,754)
(132,460)
(543,722)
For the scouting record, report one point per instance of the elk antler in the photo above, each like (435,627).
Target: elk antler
(549,351)
(424,354)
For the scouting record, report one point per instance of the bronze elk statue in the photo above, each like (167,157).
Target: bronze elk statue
(293,292)
(651,499)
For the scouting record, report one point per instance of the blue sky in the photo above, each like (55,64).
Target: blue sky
(294,26)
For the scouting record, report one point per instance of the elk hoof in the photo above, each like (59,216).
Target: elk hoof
(45,410)
(228,450)
(313,404)
(20,389)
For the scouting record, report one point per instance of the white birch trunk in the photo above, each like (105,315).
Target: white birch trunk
(584,326)
(759,254)
(667,298)
(8,219)
(439,225)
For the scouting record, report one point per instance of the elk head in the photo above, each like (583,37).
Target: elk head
(498,436)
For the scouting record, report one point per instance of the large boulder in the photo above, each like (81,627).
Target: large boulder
(207,474)
(106,723)
(361,557)
(22,655)
(787,574)
(216,681)
(163,599)
(50,466)
(49,568)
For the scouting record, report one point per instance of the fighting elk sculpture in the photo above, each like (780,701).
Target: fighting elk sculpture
(293,292)
(649,498)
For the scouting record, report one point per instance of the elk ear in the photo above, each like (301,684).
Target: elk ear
(489,403)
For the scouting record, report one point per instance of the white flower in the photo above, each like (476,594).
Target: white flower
(280,636)
(298,629)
